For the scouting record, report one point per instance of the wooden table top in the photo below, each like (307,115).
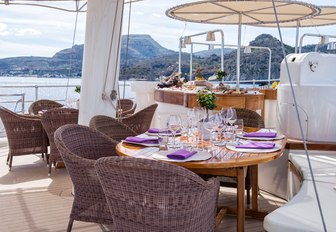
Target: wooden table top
(223,159)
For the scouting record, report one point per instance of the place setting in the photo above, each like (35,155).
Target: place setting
(262,134)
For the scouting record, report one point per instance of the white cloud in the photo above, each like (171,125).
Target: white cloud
(3,29)
(27,32)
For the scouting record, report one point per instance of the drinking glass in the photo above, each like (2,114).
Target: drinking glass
(163,136)
(174,124)
(238,127)
(233,116)
(226,115)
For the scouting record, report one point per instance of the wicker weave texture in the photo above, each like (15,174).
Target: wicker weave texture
(51,121)
(43,104)
(111,127)
(127,106)
(140,121)
(80,147)
(24,133)
(250,117)
(147,195)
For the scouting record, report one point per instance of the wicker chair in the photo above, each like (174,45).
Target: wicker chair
(251,119)
(51,121)
(111,127)
(147,195)
(80,147)
(140,121)
(25,134)
(43,104)
(127,106)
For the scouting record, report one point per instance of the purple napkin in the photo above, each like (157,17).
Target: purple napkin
(261,134)
(142,140)
(256,145)
(181,154)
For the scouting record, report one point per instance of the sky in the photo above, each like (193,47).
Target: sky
(39,31)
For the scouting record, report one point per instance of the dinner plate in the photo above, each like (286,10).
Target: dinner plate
(142,144)
(199,156)
(232,146)
(279,136)
(156,134)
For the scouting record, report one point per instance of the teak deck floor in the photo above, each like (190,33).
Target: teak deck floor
(32,201)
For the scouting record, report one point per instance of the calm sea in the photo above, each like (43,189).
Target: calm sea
(44,88)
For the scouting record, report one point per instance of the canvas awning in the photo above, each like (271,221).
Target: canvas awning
(238,12)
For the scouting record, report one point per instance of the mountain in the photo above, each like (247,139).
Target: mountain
(147,59)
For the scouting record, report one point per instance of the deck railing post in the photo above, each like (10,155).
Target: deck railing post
(36,92)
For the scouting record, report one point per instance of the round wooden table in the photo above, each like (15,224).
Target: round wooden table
(223,163)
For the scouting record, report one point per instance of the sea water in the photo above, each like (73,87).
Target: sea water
(45,88)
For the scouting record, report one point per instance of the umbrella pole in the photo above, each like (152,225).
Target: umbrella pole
(238,52)
(297,37)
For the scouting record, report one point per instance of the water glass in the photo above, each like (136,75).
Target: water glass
(174,124)
(163,136)
(239,126)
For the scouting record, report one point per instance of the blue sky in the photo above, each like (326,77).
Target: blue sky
(36,31)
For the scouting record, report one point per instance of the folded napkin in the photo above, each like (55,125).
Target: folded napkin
(261,134)
(181,154)
(256,145)
(142,140)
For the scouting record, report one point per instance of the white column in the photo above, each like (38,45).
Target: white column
(101,58)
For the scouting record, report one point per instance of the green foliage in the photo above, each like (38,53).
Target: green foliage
(220,74)
(78,89)
(206,99)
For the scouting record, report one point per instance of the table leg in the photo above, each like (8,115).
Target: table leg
(240,199)
(254,174)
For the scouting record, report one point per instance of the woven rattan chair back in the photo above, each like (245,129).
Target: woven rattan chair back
(43,104)
(250,117)
(140,121)
(80,147)
(111,127)
(51,121)
(24,133)
(147,195)
(127,107)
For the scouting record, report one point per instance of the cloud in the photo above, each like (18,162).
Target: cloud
(27,31)
(3,29)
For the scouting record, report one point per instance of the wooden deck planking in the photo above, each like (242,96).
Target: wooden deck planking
(32,201)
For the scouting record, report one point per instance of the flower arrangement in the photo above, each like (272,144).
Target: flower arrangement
(220,74)
(78,89)
(206,99)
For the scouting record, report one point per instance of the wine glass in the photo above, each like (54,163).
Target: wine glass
(233,116)
(174,124)
(226,115)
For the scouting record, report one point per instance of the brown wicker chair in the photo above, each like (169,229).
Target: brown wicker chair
(147,195)
(80,147)
(43,104)
(51,121)
(127,106)
(111,127)
(251,119)
(25,134)
(140,121)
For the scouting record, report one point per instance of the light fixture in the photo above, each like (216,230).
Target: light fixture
(210,36)
(187,40)
(247,50)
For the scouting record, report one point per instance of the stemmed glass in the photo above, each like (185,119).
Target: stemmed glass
(174,124)
(233,114)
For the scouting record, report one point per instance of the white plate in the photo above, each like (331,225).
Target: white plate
(142,144)
(279,136)
(156,134)
(199,156)
(232,146)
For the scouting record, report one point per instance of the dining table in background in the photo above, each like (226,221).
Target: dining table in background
(224,162)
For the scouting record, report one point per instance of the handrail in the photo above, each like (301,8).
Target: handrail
(22,100)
